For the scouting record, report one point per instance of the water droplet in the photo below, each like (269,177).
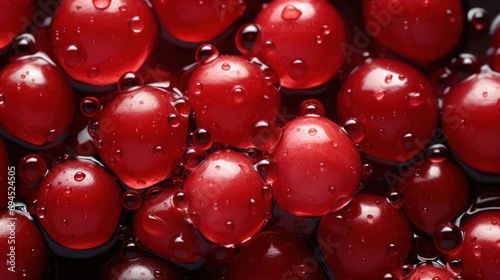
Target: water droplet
(447,238)
(267,192)
(129,80)
(355,129)
(181,246)
(395,198)
(131,249)
(90,107)
(326,29)
(51,135)
(68,190)
(64,222)
(290,13)
(180,200)
(451,16)
(415,99)
(312,107)
(437,153)
(331,189)
(238,95)
(269,47)
(392,250)
(136,24)
(225,66)
(312,131)
(31,169)
(41,212)
(93,72)
(425,209)
(158,274)
(252,205)
(366,171)
(174,120)
(246,37)
(455,266)
(406,25)
(407,141)
(131,200)
(79,176)
(122,8)
(265,136)
(2,98)
(297,70)
(268,169)
(477,250)
(74,55)
(379,95)
(229,225)
(193,157)
(206,53)
(388,79)
(288,193)
(101,4)
(478,17)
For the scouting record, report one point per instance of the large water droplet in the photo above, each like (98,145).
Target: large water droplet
(74,55)
(90,107)
(136,24)
(407,141)
(312,107)
(131,249)
(479,19)
(206,53)
(297,70)
(290,13)
(193,157)
(415,99)
(129,80)
(395,198)
(181,246)
(93,72)
(131,200)
(264,135)
(182,106)
(447,238)
(245,37)
(31,169)
(455,266)
(268,169)
(174,120)
(437,153)
(355,129)
(179,199)
(79,176)
(101,4)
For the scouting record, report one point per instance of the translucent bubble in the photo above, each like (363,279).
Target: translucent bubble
(174,120)
(2,98)
(136,24)
(181,246)
(407,141)
(290,13)
(268,169)
(159,151)
(392,250)
(447,238)
(193,157)
(415,99)
(388,79)
(269,47)
(182,106)
(265,136)
(478,17)
(395,198)
(379,95)
(225,66)
(131,249)
(74,55)
(297,69)
(355,129)
(79,176)
(131,200)
(238,95)
(129,80)
(229,225)
(437,153)
(101,4)
(455,266)
(246,37)
(31,169)
(267,192)
(90,107)
(41,212)
(93,72)
(206,53)
(312,107)
(123,233)
(179,199)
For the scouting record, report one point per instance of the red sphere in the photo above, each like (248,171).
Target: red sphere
(430,272)
(15,16)
(142,268)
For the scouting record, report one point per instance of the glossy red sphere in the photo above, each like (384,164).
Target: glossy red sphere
(93,40)
(14,17)
(396,106)
(430,272)
(141,268)
(419,30)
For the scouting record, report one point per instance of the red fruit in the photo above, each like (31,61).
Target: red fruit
(395,106)
(22,247)
(93,40)
(419,30)
(15,16)
(79,204)
(430,272)
(4,176)
(142,268)
(197,21)
(234,100)
(480,247)
(435,193)
(300,39)
(141,135)
(470,109)
(275,255)
(366,239)
(162,229)
(319,167)
(228,201)
(36,100)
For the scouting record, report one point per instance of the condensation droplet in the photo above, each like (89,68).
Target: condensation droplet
(225,66)
(290,13)
(206,53)
(312,107)
(136,24)
(415,99)
(93,72)
(392,250)
(407,141)
(395,198)
(229,225)
(174,120)
(297,70)
(447,238)
(238,95)
(312,131)
(101,4)
(388,79)
(159,151)
(129,80)
(269,47)
(73,56)
(79,176)
(379,95)
(355,129)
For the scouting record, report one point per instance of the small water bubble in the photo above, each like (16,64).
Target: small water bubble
(93,72)
(74,55)
(269,47)
(379,95)
(131,249)
(179,199)
(297,69)
(79,176)
(174,120)
(268,169)
(141,182)
(477,250)
(122,8)
(392,250)
(455,266)
(101,4)
(407,141)
(131,200)
(193,157)
(388,79)
(206,53)
(312,131)
(479,19)
(415,99)
(225,66)
(451,17)
(41,212)
(238,95)
(2,98)
(366,171)
(90,107)
(129,80)
(267,192)
(447,238)
(246,37)
(312,107)
(288,193)
(355,129)
(265,136)
(136,24)
(290,13)
(229,225)
(159,151)
(319,39)
(326,29)
(51,135)
(437,153)
(31,169)
(252,205)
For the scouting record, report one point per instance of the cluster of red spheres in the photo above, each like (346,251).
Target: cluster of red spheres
(250,139)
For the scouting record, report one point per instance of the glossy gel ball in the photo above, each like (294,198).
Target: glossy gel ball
(234,100)
(395,106)
(319,167)
(93,40)
(228,201)
(79,204)
(141,135)
(430,272)
(418,30)
(22,247)
(36,100)
(471,111)
(300,39)
(15,16)
(141,268)
(366,239)
(197,21)
(480,246)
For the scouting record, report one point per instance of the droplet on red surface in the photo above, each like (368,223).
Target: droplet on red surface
(264,135)
(193,157)
(312,107)
(395,198)
(297,69)
(206,53)
(268,169)
(355,129)
(90,107)
(290,12)
(181,246)
(74,55)
(131,249)
(407,141)
(437,153)
(136,24)
(131,200)
(129,80)
(79,176)
(245,37)
(31,169)
(447,238)
(101,4)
